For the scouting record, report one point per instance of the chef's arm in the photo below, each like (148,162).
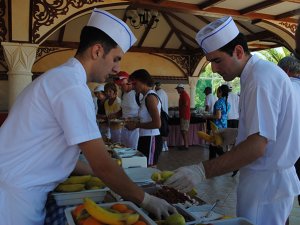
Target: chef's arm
(239,156)
(109,171)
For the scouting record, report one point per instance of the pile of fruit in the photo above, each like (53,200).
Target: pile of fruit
(89,213)
(80,183)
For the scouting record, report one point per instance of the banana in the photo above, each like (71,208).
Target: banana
(156,176)
(70,187)
(77,179)
(160,177)
(193,192)
(213,127)
(205,136)
(215,138)
(94,182)
(107,217)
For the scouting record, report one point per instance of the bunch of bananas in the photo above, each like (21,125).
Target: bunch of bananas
(90,209)
(215,138)
(80,183)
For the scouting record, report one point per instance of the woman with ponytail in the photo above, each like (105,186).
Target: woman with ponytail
(221,109)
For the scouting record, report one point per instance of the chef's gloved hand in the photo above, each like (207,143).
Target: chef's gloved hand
(228,135)
(157,206)
(186,178)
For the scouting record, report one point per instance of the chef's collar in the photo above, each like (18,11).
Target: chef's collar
(79,68)
(245,73)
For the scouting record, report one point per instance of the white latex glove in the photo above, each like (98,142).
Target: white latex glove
(228,135)
(157,206)
(186,178)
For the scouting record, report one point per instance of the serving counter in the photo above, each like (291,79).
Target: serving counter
(196,124)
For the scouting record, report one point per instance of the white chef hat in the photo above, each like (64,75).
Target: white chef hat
(113,27)
(217,34)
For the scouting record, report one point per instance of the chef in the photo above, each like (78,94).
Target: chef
(130,109)
(267,144)
(53,119)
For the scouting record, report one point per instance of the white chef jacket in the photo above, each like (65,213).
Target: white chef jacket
(268,107)
(145,117)
(210,101)
(129,106)
(38,140)
(233,100)
(164,100)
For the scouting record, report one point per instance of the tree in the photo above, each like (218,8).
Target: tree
(274,54)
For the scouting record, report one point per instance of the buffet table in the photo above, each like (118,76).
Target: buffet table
(196,124)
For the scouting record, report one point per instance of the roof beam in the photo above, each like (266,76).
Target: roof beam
(61,34)
(244,27)
(288,14)
(183,22)
(259,6)
(74,45)
(209,3)
(203,19)
(171,6)
(259,36)
(167,39)
(176,31)
(146,32)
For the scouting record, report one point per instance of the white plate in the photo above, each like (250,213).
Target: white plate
(143,216)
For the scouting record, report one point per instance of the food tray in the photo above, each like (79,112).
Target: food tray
(130,205)
(73,198)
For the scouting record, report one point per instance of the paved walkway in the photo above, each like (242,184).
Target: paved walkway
(222,188)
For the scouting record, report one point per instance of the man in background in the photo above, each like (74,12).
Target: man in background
(184,115)
(210,100)
(291,66)
(165,106)
(233,113)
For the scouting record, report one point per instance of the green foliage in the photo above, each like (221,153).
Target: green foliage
(213,80)
(274,54)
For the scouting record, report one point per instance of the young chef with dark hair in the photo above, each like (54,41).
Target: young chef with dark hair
(53,119)
(267,145)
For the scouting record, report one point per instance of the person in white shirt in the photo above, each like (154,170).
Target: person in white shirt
(233,113)
(165,106)
(130,109)
(210,100)
(267,144)
(53,119)
(291,66)
(150,141)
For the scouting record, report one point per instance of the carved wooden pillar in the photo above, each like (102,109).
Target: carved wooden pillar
(19,58)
